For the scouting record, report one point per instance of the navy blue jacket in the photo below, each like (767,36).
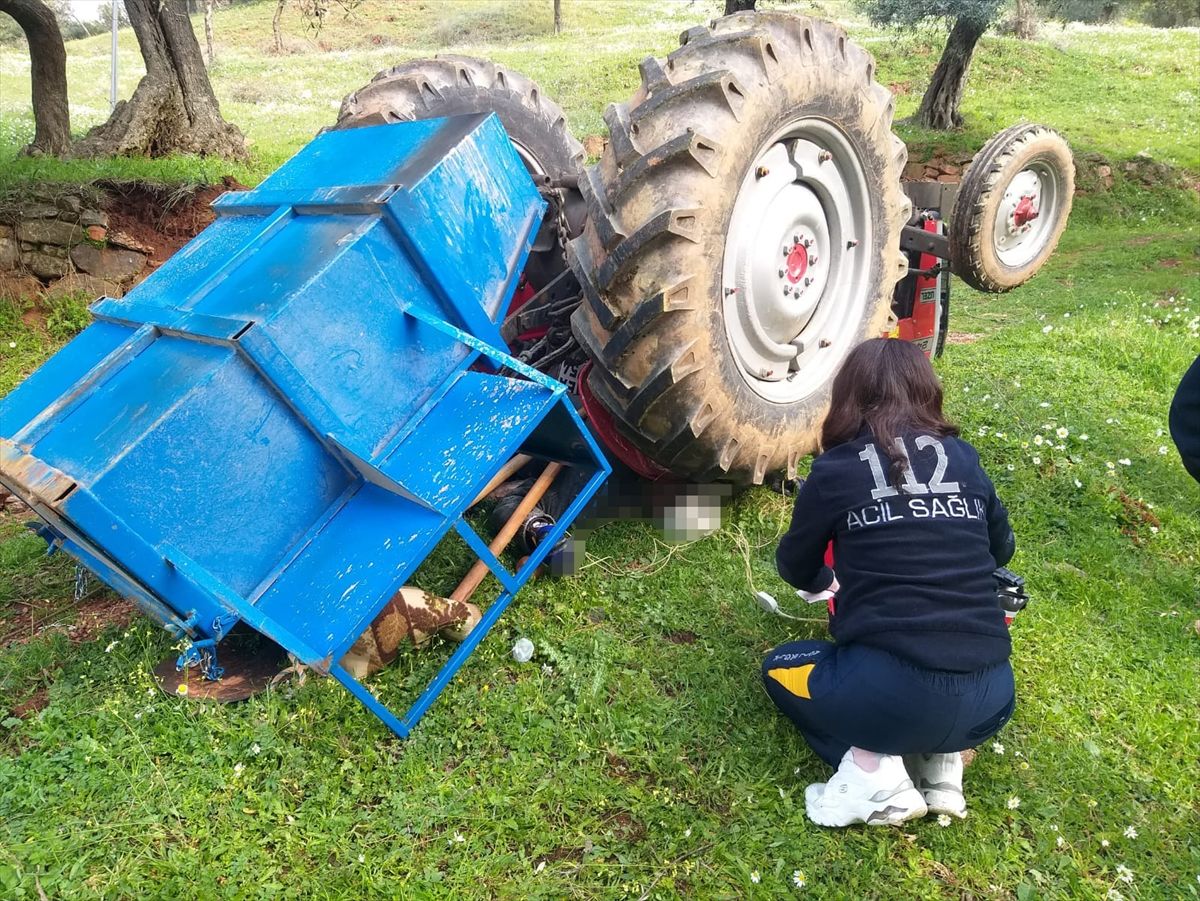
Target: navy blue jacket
(915,563)
(1185,420)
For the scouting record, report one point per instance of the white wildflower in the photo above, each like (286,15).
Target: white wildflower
(1047,330)
(541,866)
(998,748)
(1037,461)
(687,833)
(238,768)
(1039,440)
(798,879)
(1110,465)
(12,343)
(1044,404)
(362,858)
(1125,874)
(1103,843)
(459,838)
(755,878)
(1061,432)
(255,749)
(1130,832)
(1162,449)
(1083,437)
(943,820)
(1125,461)
(1013,803)
(1114,895)
(1078,484)
(1059,842)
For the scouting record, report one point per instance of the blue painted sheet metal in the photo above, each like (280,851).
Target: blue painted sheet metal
(281,423)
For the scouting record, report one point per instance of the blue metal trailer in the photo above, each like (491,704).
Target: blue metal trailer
(281,423)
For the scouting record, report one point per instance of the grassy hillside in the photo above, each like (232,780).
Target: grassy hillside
(1118,91)
(637,756)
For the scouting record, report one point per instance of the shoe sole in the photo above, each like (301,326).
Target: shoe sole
(902,806)
(947,801)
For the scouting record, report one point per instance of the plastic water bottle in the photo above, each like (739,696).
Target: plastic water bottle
(522,650)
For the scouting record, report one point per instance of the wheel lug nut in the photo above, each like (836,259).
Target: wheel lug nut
(824,342)
(812,260)
(795,239)
(729,291)
(782,273)
(851,243)
(807,282)
(824,156)
(762,172)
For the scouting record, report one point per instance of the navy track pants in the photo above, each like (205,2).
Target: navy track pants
(840,696)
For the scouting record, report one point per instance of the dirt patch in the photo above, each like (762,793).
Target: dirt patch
(32,704)
(621,769)
(962,337)
(158,220)
(626,828)
(681,637)
(593,146)
(19,287)
(1168,263)
(31,620)
(900,88)
(1136,516)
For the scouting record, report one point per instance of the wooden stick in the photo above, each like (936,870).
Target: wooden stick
(506,472)
(477,572)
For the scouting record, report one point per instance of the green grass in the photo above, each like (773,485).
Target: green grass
(1117,91)
(625,759)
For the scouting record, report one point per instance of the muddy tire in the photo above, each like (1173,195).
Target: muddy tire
(688,244)
(995,242)
(450,85)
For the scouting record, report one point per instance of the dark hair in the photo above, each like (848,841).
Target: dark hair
(889,386)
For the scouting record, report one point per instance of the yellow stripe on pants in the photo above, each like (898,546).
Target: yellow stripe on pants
(794,678)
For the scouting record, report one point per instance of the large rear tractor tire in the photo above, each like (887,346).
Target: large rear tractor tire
(450,85)
(1012,208)
(742,237)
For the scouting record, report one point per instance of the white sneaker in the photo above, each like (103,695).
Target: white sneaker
(885,797)
(939,779)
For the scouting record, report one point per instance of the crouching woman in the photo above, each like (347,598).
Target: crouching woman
(919,666)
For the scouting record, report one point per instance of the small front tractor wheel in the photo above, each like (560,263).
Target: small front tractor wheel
(742,237)
(1012,208)
(450,85)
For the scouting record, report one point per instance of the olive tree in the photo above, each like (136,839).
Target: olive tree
(48,59)
(968,20)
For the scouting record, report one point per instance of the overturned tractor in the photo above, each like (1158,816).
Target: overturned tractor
(745,227)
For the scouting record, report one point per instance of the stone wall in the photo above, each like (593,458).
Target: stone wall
(55,232)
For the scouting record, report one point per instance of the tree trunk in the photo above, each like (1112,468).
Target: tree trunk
(173,109)
(939,106)
(738,6)
(208,37)
(48,67)
(275,29)
(557,16)
(1026,21)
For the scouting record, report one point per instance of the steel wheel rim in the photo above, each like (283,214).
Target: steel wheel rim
(1017,239)
(801,213)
